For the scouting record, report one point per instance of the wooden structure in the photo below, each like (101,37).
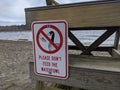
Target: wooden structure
(101,15)
(92,73)
(79,15)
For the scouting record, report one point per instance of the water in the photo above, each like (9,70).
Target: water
(86,37)
(16,35)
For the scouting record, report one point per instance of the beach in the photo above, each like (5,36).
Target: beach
(14,67)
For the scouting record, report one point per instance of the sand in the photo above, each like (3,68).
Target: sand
(14,65)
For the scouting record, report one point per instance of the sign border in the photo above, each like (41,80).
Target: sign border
(66,46)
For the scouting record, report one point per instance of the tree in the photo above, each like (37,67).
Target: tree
(51,2)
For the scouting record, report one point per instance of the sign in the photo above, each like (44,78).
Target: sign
(50,48)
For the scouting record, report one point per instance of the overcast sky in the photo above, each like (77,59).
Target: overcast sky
(12,11)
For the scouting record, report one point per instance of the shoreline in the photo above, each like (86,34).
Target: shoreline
(77,52)
(13,30)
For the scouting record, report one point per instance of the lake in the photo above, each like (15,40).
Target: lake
(86,37)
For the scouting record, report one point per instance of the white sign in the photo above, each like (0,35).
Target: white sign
(50,48)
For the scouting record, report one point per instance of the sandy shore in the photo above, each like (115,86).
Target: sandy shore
(14,67)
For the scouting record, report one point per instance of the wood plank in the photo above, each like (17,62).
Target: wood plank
(115,53)
(100,40)
(92,62)
(95,14)
(92,73)
(117,38)
(102,48)
(93,28)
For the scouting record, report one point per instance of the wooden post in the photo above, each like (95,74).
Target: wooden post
(117,38)
(39,85)
(115,53)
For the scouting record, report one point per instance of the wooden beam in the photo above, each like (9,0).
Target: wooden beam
(102,48)
(101,39)
(76,41)
(94,28)
(115,53)
(92,14)
(92,73)
(117,38)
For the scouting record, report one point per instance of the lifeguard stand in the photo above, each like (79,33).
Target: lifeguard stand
(86,71)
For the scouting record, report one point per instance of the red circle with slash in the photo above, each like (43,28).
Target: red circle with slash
(41,31)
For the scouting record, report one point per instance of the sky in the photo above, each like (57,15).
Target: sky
(12,11)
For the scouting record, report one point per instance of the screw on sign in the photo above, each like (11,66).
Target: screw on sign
(52,46)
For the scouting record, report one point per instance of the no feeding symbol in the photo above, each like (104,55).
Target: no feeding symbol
(47,35)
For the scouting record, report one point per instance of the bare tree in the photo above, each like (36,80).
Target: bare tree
(51,2)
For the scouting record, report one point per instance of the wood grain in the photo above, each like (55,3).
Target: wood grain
(92,73)
(78,15)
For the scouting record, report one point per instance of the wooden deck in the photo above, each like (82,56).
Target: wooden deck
(79,15)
